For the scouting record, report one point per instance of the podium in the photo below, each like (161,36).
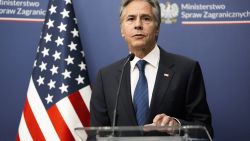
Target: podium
(144,133)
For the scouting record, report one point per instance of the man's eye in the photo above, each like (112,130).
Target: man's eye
(147,19)
(130,19)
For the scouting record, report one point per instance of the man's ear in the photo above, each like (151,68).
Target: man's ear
(122,33)
(158,30)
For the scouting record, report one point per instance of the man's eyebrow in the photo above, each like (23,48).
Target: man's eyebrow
(146,15)
(131,15)
(142,15)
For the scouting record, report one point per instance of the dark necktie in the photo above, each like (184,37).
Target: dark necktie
(140,100)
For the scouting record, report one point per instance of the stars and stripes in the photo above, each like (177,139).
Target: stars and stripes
(59,91)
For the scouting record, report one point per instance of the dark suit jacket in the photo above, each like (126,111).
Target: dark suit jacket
(180,95)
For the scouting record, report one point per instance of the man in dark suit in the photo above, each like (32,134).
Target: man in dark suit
(175,92)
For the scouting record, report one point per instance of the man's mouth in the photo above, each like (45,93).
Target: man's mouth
(139,36)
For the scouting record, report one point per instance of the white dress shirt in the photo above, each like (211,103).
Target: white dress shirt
(151,69)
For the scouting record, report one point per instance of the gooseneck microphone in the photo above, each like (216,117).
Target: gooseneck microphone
(129,58)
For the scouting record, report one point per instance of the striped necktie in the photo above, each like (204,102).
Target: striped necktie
(140,100)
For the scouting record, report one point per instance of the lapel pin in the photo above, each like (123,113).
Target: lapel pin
(166,74)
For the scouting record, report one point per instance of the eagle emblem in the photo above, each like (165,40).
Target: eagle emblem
(169,12)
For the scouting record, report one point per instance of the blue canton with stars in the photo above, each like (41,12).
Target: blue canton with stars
(59,68)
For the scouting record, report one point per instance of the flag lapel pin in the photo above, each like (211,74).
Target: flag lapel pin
(166,74)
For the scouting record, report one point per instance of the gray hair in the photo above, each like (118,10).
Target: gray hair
(155,5)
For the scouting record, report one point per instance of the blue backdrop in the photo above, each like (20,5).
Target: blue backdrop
(222,48)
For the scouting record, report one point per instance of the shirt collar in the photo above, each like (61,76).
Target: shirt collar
(152,58)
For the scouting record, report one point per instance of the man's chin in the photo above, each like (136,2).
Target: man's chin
(138,45)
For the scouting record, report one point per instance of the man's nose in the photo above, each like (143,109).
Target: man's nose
(138,24)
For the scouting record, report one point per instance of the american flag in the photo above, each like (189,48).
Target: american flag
(59,91)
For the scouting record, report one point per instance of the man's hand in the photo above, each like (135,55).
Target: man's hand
(165,120)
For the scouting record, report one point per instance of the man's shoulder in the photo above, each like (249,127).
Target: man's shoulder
(177,61)
(177,58)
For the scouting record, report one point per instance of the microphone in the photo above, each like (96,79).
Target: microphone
(130,57)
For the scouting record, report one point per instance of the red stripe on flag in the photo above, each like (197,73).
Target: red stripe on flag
(80,108)
(59,124)
(32,124)
(17,137)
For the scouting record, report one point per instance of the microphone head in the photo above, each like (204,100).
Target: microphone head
(131,56)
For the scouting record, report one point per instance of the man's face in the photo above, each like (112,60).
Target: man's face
(138,26)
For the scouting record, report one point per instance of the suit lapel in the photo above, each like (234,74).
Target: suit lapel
(162,82)
(125,99)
